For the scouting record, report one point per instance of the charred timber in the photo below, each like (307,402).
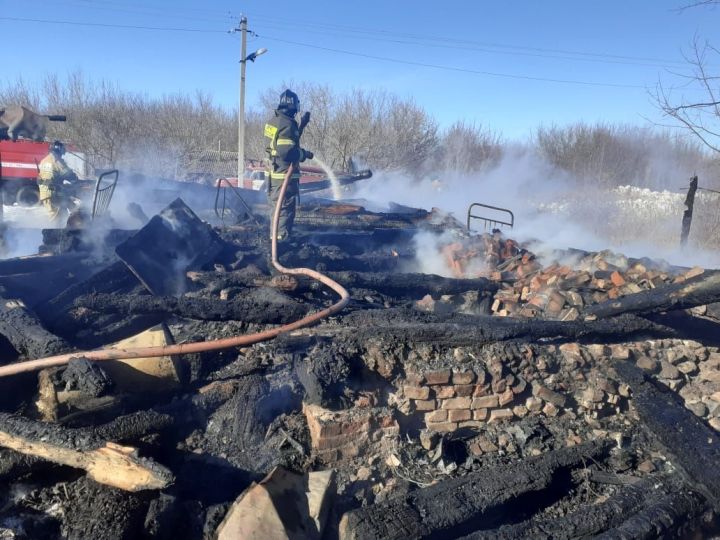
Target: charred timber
(22,328)
(399,285)
(460,330)
(411,285)
(460,505)
(663,518)
(116,278)
(694,292)
(105,462)
(266,306)
(651,496)
(693,446)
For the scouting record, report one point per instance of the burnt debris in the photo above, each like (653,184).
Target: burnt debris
(572,395)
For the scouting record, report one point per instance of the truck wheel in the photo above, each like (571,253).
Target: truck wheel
(28,196)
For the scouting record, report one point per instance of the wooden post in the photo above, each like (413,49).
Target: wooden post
(687,215)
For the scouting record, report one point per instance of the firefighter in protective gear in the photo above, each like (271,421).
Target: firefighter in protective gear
(52,178)
(282,134)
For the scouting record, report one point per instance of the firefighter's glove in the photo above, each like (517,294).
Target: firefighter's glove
(305,120)
(308,154)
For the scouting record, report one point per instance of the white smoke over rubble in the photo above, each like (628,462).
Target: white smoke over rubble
(550,208)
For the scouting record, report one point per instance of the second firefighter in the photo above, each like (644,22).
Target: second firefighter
(282,133)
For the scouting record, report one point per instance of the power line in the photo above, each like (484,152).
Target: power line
(143,10)
(429,37)
(470,48)
(108,25)
(422,39)
(451,68)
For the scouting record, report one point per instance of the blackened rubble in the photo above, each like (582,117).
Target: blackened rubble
(524,396)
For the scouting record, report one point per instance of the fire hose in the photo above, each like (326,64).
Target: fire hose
(205,346)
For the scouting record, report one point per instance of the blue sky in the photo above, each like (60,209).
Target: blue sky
(629,44)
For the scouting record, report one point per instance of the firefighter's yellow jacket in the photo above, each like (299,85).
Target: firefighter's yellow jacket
(52,173)
(283,146)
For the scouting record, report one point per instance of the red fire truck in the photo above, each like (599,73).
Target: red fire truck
(20,159)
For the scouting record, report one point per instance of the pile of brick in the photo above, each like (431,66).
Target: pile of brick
(557,291)
(562,291)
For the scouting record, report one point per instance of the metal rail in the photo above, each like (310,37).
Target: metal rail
(489,223)
(103,194)
(221,214)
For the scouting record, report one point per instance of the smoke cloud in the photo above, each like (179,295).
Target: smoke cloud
(552,210)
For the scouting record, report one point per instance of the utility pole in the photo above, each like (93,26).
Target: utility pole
(241,109)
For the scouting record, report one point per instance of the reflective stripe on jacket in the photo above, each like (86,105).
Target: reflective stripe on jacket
(283,145)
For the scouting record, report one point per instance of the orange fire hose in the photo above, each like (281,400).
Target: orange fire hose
(203,346)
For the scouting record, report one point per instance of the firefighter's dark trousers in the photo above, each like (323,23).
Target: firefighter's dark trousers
(287,210)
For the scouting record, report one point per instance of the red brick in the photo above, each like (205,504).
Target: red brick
(533,404)
(436,416)
(417,392)
(500,414)
(481,390)
(480,414)
(520,411)
(438,377)
(349,428)
(463,377)
(617,279)
(499,385)
(414,378)
(464,390)
(546,394)
(471,424)
(425,405)
(550,409)
(485,402)
(519,386)
(459,415)
(506,397)
(443,426)
(444,392)
(457,403)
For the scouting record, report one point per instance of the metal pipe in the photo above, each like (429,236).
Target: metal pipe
(204,346)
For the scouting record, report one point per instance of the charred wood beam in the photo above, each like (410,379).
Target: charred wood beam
(113,279)
(265,306)
(105,462)
(411,285)
(400,285)
(704,289)
(648,496)
(693,446)
(38,263)
(459,330)
(460,505)
(22,328)
(661,519)
(88,329)
(216,281)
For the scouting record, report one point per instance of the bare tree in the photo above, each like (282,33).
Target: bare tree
(701,117)
(609,155)
(468,148)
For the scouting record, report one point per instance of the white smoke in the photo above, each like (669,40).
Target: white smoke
(551,209)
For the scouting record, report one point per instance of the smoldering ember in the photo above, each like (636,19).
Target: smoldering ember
(143,396)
